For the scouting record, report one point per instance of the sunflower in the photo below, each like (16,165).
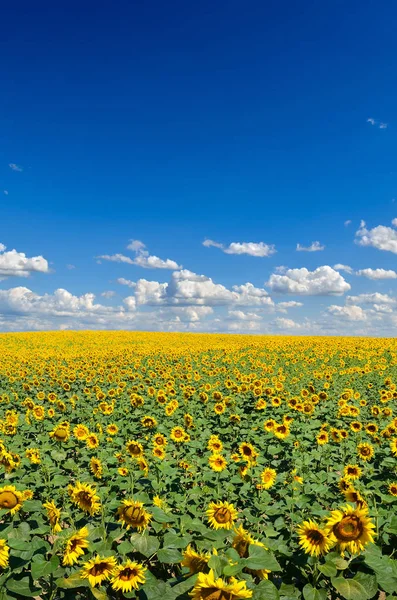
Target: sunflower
(132,513)
(352,471)
(196,562)
(84,496)
(60,433)
(11,499)
(33,454)
(393,446)
(215,444)
(134,448)
(365,451)
(128,576)
(209,588)
(53,514)
(98,569)
(221,515)
(96,467)
(159,440)
(4,553)
(123,471)
(248,452)
(393,489)
(314,540)
(243,540)
(112,429)
(344,484)
(268,477)
(149,422)
(269,425)
(159,452)
(75,546)
(81,432)
(353,496)
(322,438)
(355,426)
(350,528)
(217,462)
(219,408)
(178,434)
(92,441)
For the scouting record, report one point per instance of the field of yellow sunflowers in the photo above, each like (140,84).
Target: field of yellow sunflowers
(213,467)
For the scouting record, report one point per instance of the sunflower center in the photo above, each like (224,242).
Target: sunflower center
(134,515)
(98,569)
(348,529)
(135,450)
(222,515)
(128,574)
(8,500)
(316,537)
(85,498)
(215,594)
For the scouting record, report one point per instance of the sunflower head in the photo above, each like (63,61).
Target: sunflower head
(350,528)
(221,515)
(313,539)
(132,513)
(128,576)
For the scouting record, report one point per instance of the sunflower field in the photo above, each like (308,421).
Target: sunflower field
(212,467)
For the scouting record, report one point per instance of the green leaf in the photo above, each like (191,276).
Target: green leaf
(99,594)
(169,556)
(74,581)
(328,569)
(125,547)
(41,567)
(23,587)
(350,589)
(173,540)
(266,590)
(160,516)
(335,559)
(368,582)
(310,593)
(184,586)
(259,558)
(18,544)
(145,544)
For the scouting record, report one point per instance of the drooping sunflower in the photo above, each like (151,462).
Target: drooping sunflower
(158,452)
(353,496)
(98,569)
(60,433)
(209,588)
(314,540)
(75,546)
(221,515)
(134,448)
(96,467)
(54,515)
(85,497)
(241,543)
(352,471)
(365,451)
(350,528)
(11,499)
(33,454)
(268,477)
(217,462)
(132,513)
(128,576)
(4,554)
(196,562)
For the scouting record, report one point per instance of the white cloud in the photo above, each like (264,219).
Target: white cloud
(394,222)
(379,124)
(239,315)
(282,323)
(351,313)
(339,267)
(108,294)
(259,249)
(5,192)
(284,306)
(380,237)
(127,282)
(142,258)
(15,167)
(70,267)
(17,264)
(323,281)
(347,223)
(376,274)
(383,125)
(372,121)
(374,298)
(314,247)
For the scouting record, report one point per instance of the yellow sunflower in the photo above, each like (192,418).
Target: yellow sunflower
(159,452)
(11,499)
(4,554)
(393,446)
(96,467)
(75,546)
(217,462)
(209,588)
(352,471)
(196,562)
(132,513)
(314,540)
(350,528)
(365,451)
(134,448)
(81,432)
(53,514)
(393,489)
(221,515)
(178,434)
(268,477)
(84,496)
(98,569)
(128,576)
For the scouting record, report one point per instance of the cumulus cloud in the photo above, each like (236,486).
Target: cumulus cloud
(15,167)
(339,267)
(351,313)
(380,237)
(376,274)
(128,282)
(347,223)
(283,323)
(284,306)
(17,264)
(259,249)
(70,267)
(142,258)
(374,298)
(239,315)
(323,281)
(377,123)
(314,247)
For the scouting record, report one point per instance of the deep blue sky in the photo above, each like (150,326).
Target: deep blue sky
(171,122)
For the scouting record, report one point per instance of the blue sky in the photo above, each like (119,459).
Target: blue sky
(173,123)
